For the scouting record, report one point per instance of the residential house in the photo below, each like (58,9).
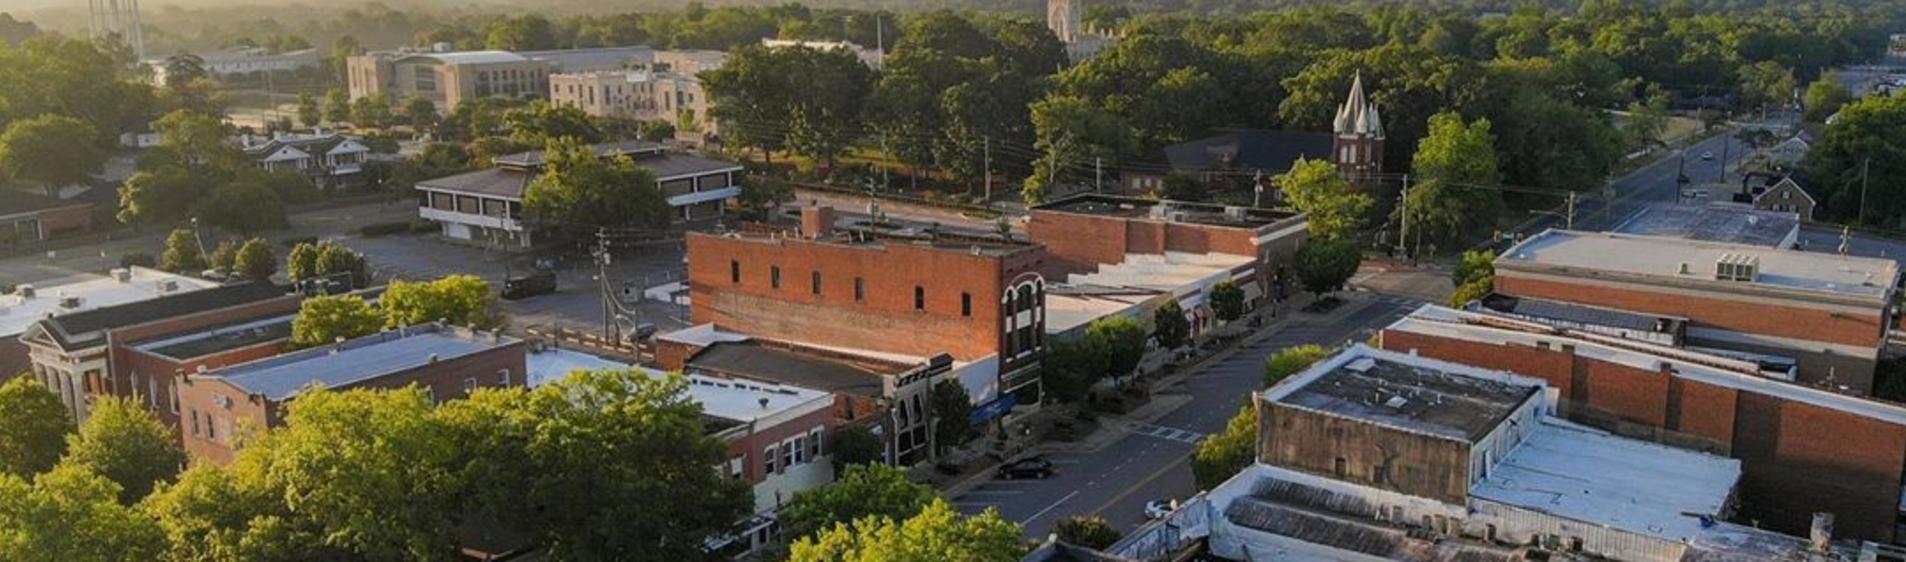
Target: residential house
(1786,196)
(330,159)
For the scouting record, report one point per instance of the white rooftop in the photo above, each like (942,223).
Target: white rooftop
(1658,258)
(1571,471)
(1066,311)
(1173,272)
(729,399)
(93,291)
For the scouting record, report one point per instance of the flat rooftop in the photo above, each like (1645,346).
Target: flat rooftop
(1658,259)
(826,371)
(1070,306)
(17,312)
(1407,392)
(357,361)
(513,173)
(736,401)
(1170,272)
(1571,471)
(223,338)
(1168,211)
(1710,223)
(1548,311)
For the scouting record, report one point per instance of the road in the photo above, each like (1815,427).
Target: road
(1654,183)
(1150,463)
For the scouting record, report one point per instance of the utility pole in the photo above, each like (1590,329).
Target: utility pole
(1403,228)
(602,280)
(989,170)
(1865,166)
(1098,172)
(1571,211)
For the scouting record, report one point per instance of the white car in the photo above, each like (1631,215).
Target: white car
(1158,509)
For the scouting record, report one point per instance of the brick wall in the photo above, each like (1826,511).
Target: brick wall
(133,372)
(1734,314)
(751,444)
(1798,458)
(150,377)
(1077,243)
(13,358)
(66,221)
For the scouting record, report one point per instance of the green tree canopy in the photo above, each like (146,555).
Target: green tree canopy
(1290,361)
(1864,148)
(52,150)
(541,123)
(124,442)
(1324,266)
(1089,531)
(1227,300)
(1334,208)
(33,427)
(302,262)
(310,112)
(936,534)
(580,192)
(1222,455)
(952,408)
(1825,96)
(322,320)
(182,253)
(73,514)
(1456,172)
(855,445)
(1121,340)
(1169,325)
(461,300)
(255,261)
(863,490)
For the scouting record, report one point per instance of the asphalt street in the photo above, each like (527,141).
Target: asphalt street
(1654,183)
(1151,462)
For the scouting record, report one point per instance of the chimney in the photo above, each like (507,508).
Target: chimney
(817,221)
(764,402)
(1821,533)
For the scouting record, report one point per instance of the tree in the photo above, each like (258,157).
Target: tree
(224,256)
(1647,120)
(1169,325)
(579,192)
(337,106)
(952,412)
(1290,361)
(1183,187)
(1825,97)
(52,150)
(1543,141)
(1855,169)
(255,261)
(335,261)
(73,514)
(1071,132)
(1766,84)
(855,445)
(1070,368)
(543,123)
(864,490)
(33,426)
(1121,340)
(1089,531)
(657,130)
(182,253)
(935,534)
(375,111)
(1333,207)
(1455,195)
(246,206)
(526,33)
(310,112)
(302,262)
(1324,266)
(1227,300)
(762,196)
(420,113)
(461,300)
(126,443)
(325,319)
(1222,455)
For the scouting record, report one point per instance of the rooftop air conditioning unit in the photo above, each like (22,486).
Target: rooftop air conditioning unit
(122,275)
(69,302)
(24,290)
(1234,213)
(1737,267)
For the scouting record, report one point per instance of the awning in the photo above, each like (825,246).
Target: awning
(998,407)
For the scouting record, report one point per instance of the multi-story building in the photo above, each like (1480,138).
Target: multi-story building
(330,159)
(666,89)
(29,304)
(78,354)
(242,60)
(451,78)
(974,297)
(873,58)
(1802,450)
(1829,313)
(447,362)
(486,205)
(1376,455)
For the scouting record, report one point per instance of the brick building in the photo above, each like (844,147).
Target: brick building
(1829,313)
(448,362)
(1803,450)
(82,354)
(1092,233)
(29,303)
(27,218)
(976,298)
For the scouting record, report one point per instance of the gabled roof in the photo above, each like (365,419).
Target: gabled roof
(309,144)
(1787,182)
(88,328)
(1248,149)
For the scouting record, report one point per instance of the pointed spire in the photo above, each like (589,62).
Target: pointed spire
(1358,116)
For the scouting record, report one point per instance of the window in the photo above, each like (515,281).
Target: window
(860,290)
(768,456)
(195,422)
(1341,467)
(798,447)
(734,272)
(788,451)
(814,280)
(175,398)
(774,276)
(503,377)
(814,443)
(966,304)
(211,429)
(919,297)
(469,386)
(1785,195)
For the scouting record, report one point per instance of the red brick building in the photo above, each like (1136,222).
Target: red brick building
(1086,232)
(216,405)
(975,298)
(1829,313)
(1803,450)
(27,218)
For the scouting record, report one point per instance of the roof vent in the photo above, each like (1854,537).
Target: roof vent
(1361,365)
(434,358)
(122,275)
(69,302)
(1396,402)
(1737,267)
(1684,269)
(764,402)
(24,290)
(168,285)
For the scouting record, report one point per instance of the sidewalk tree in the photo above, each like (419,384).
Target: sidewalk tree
(224,255)
(1474,276)
(1227,300)
(1648,119)
(1222,455)
(952,412)
(33,427)
(1455,192)
(580,192)
(1290,361)
(323,320)
(1169,325)
(1071,368)
(255,261)
(1323,266)
(864,490)
(1334,208)
(461,300)
(51,150)
(761,196)
(374,111)
(936,533)
(126,443)
(1089,531)
(302,262)
(182,253)
(856,445)
(335,261)
(73,514)
(1121,340)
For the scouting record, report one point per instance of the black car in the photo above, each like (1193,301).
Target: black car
(1035,467)
(539,283)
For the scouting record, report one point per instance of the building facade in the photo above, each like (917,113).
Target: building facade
(451,78)
(331,160)
(1088,233)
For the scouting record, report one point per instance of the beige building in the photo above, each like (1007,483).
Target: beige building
(450,78)
(666,89)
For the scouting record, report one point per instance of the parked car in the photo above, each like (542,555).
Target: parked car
(1034,467)
(1158,509)
(539,283)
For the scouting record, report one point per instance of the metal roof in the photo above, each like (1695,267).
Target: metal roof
(358,360)
(752,360)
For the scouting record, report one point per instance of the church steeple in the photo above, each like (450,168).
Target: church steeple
(1357,116)
(1358,140)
